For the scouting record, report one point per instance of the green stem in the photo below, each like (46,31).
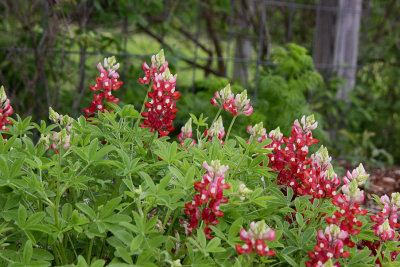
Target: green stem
(244,155)
(57,255)
(230,128)
(215,118)
(100,250)
(172,222)
(116,189)
(151,142)
(166,218)
(378,254)
(90,251)
(58,195)
(143,106)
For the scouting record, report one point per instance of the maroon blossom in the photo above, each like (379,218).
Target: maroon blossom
(255,238)
(329,246)
(106,82)
(217,130)
(186,132)
(5,110)
(161,108)
(206,204)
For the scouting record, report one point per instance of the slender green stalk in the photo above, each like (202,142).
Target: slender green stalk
(58,195)
(378,254)
(244,155)
(215,118)
(116,188)
(90,251)
(143,106)
(166,218)
(100,249)
(56,254)
(230,128)
(151,142)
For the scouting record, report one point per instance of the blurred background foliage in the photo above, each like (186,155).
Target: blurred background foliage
(49,51)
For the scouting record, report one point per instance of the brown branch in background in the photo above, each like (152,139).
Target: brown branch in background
(380,29)
(86,10)
(210,23)
(198,43)
(159,39)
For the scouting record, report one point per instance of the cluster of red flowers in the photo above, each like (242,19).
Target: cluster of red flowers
(161,108)
(105,83)
(217,129)
(385,226)
(255,238)
(186,132)
(344,220)
(206,204)
(258,132)
(5,110)
(236,105)
(313,175)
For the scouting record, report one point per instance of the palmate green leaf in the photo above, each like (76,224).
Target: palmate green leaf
(22,215)
(148,181)
(5,146)
(289,260)
(307,235)
(235,228)
(42,255)
(109,208)
(138,222)
(98,263)
(214,245)
(87,210)
(35,218)
(4,168)
(93,149)
(28,251)
(136,242)
(102,152)
(124,254)
(201,237)
(360,256)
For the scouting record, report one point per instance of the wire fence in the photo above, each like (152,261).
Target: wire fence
(229,37)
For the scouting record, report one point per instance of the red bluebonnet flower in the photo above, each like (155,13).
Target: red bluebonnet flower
(255,239)
(236,105)
(158,65)
(344,221)
(329,246)
(217,129)
(161,108)
(239,105)
(312,176)
(222,97)
(206,205)
(105,84)
(60,139)
(385,226)
(257,131)
(186,132)
(5,110)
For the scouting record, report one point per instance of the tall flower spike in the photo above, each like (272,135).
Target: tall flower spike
(217,129)
(5,110)
(258,132)
(106,82)
(206,205)
(255,238)
(223,96)
(186,132)
(161,108)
